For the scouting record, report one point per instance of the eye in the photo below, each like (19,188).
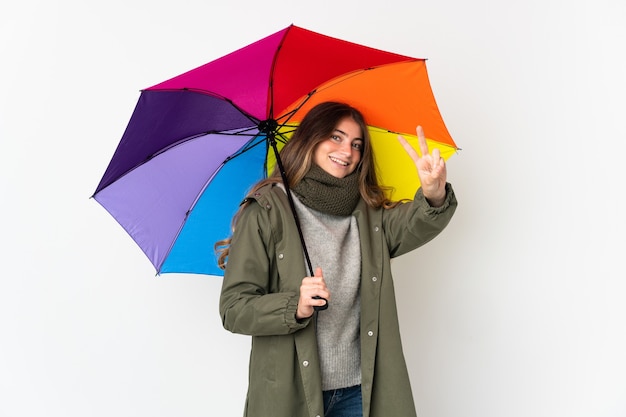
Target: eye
(357,145)
(335,138)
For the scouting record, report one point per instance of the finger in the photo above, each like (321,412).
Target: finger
(437,158)
(320,291)
(408,148)
(323,304)
(440,171)
(313,288)
(422,140)
(320,301)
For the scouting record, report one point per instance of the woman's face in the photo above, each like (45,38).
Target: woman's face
(340,154)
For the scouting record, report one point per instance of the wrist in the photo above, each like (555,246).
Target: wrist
(302,316)
(436,200)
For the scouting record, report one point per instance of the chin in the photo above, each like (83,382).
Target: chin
(341,174)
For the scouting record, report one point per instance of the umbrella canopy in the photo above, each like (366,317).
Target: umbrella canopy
(196,143)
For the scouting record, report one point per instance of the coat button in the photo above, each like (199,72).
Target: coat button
(374,279)
(268,206)
(281,256)
(305,363)
(370,333)
(376,229)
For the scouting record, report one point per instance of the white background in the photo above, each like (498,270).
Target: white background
(517,309)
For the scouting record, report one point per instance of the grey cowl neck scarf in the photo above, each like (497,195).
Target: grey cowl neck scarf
(323,192)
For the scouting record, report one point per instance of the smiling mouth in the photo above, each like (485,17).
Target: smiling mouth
(338,161)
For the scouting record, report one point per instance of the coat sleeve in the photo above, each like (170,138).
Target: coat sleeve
(413,224)
(251,301)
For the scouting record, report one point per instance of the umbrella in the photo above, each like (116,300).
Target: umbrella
(197,142)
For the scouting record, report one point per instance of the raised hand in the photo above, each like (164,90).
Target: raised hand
(431,169)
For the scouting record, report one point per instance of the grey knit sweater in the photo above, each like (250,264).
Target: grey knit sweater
(333,244)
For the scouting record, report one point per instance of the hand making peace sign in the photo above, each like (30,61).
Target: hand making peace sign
(431,169)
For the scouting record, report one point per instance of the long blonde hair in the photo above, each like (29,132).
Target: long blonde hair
(297,157)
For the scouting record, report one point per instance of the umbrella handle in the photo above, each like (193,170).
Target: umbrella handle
(283,174)
(320,308)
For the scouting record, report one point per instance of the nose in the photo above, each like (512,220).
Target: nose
(346,147)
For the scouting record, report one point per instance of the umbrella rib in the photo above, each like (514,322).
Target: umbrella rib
(289,115)
(212,94)
(342,78)
(198,135)
(148,158)
(244,149)
(270,110)
(247,147)
(328,85)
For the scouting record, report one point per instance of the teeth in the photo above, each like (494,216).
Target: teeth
(339,161)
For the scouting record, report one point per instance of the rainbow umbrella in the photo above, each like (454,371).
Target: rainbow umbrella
(197,142)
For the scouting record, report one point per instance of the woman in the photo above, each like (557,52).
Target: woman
(346,360)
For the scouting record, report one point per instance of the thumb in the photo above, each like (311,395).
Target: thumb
(318,272)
